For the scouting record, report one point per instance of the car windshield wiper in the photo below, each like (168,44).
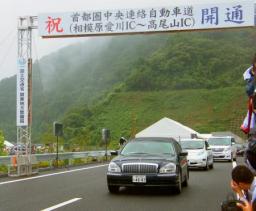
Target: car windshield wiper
(164,153)
(139,153)
(167,153)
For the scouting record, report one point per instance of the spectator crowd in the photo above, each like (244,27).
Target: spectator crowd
(243,181)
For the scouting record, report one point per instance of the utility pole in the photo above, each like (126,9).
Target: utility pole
(24,91)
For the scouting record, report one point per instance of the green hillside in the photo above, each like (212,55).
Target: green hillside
(127,113)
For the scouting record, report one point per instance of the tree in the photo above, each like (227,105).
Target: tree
(1,143)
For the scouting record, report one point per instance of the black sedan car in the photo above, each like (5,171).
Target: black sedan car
(149,162)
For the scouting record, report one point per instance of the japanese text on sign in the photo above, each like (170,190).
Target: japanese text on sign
(22,93)
(170,18)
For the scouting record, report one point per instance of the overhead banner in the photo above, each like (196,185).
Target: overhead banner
(140,20)
(22,93)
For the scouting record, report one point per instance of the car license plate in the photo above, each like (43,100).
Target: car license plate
(139,178)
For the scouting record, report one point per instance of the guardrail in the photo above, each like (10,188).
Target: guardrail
(6,160)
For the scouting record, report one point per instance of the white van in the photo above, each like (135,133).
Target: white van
(223,148)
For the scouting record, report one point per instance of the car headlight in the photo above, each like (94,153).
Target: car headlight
(113,167)
(227,149)
(168,168)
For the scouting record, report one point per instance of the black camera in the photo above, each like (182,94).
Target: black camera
(231,205)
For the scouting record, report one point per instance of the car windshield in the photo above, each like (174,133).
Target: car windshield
(219,141)
(148,147)
(192,144)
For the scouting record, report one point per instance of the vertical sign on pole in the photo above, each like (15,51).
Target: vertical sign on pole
(57,131)
(22,92)
(105,137)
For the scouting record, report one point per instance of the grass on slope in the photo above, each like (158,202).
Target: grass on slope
(205,111)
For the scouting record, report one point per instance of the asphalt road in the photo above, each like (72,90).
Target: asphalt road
(88,188)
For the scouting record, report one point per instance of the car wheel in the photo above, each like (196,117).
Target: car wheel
(179,185)
(231,159)
(185,182)
(211,166)
(206,166)
(234,158)
(113,189)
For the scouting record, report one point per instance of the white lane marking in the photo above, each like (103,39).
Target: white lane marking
(61,204)
(53,174)
(234,164)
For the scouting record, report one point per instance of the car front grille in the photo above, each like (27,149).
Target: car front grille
(139,168)
(217,149)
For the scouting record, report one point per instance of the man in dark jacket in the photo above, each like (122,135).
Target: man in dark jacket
(122,141)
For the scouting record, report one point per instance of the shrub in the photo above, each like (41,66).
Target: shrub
(78,161)
(3,169)
(43,164)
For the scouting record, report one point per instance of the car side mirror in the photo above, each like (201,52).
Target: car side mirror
(183,153)
(114,152)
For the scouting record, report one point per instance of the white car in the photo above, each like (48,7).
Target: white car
(223,148)
(199,153)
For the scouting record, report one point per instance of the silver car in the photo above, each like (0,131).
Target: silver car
(223,148)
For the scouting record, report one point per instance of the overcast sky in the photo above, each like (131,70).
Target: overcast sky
(10,10)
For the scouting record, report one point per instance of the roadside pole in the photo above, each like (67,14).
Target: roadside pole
(105,138)
(57,131)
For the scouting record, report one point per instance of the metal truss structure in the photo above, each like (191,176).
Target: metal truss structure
(25,27)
